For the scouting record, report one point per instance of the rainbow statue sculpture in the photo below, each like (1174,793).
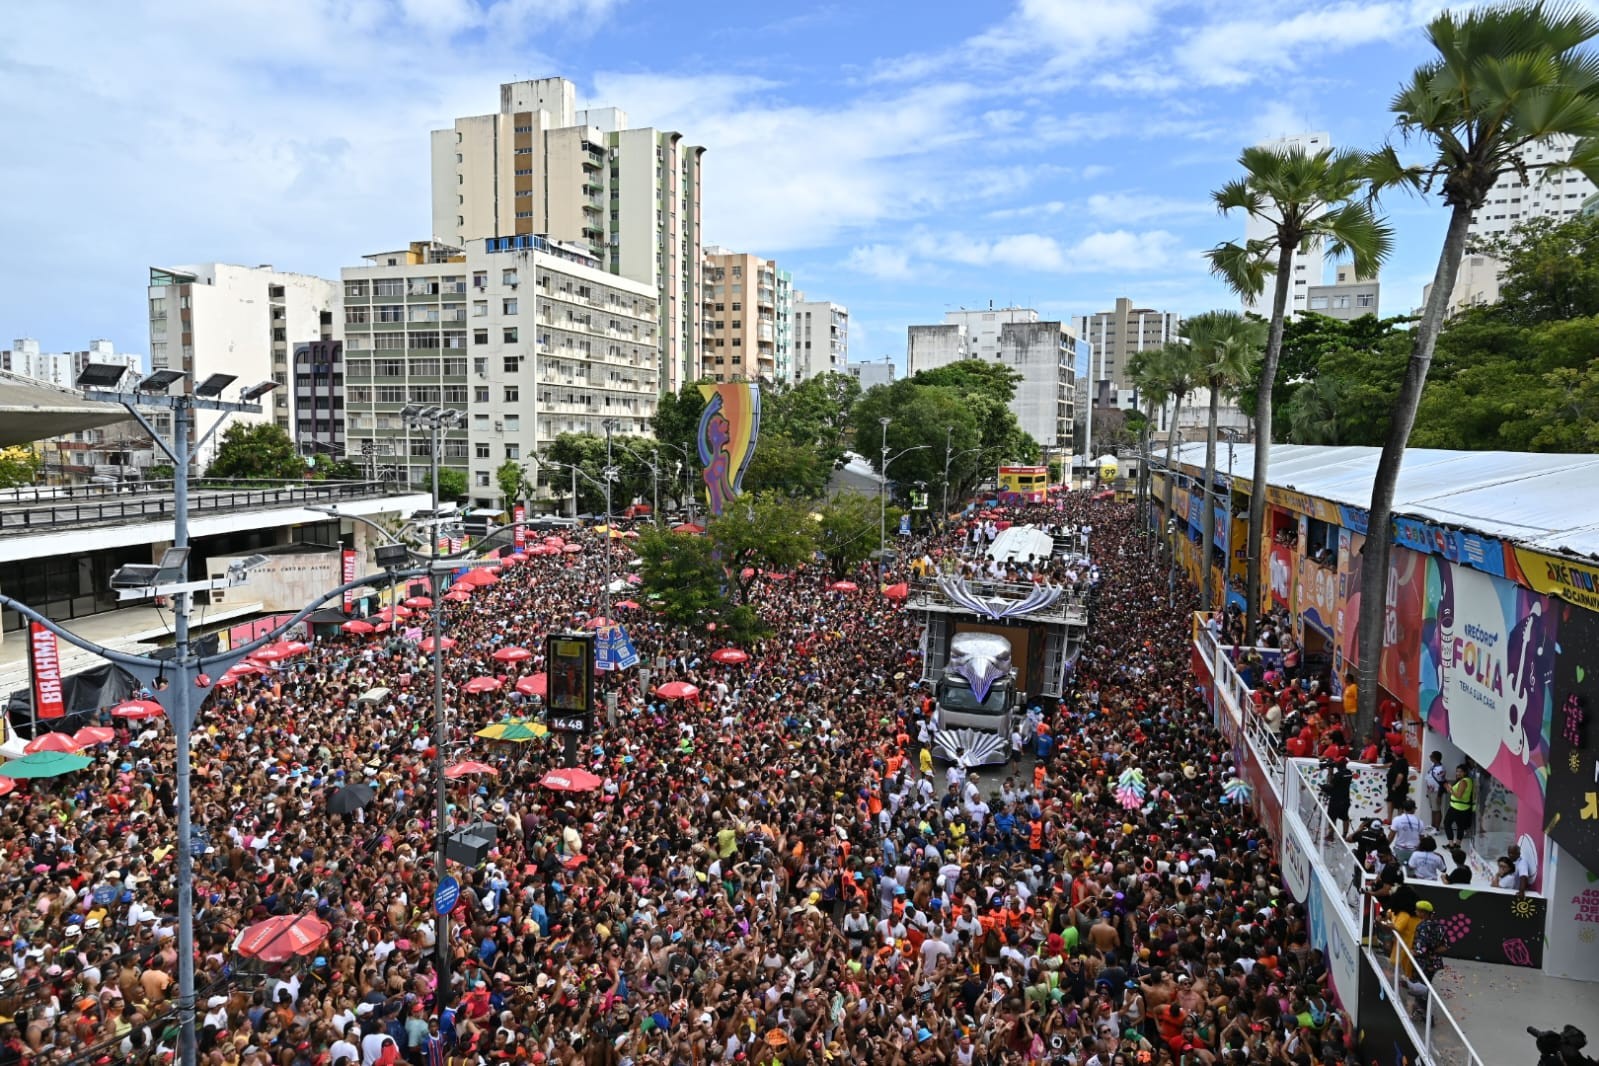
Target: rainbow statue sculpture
(728,428)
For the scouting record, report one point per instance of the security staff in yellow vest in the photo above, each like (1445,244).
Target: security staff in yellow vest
(1462,806)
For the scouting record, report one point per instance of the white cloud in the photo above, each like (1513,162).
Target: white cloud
(881,261)
(1124,250)
(1254,45)
(1124,207)
(1114,251)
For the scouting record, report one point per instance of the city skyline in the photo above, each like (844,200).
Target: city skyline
(1052,154)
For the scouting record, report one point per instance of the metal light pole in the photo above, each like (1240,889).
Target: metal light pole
(882,495)
(949,440)
(610,479)
(435,420)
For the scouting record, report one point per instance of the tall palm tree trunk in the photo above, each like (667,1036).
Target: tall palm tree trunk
(1379,516)
(1254,557)
(1207,517)
(1171,476)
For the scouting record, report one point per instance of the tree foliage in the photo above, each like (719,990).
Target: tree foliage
(762,531)
(19,466)
(256,450)
(452,483)
(630,456)
(326,468)
(512,480)
(847,534)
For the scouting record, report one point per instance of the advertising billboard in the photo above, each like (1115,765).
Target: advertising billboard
(1571,805)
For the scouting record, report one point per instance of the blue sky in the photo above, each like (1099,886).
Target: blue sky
(899,158)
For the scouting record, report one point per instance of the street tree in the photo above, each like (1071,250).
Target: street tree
(761,532)
(682,577)
(1226,347)
(452,484)
(19,466)
(512,480)
(1303,198)
(256,450)
(847,533)
(1504,78)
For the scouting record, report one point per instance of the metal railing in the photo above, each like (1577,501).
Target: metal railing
(1348,875)
(1419,1005)
(151,505)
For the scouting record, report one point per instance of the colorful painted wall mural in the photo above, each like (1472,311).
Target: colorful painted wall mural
(729,426)
(1487,681)
(1571,808)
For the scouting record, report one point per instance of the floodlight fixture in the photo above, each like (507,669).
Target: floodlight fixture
(162,380)
(255,392)
(410,411)
(391,556)
(213,385)
(101,376)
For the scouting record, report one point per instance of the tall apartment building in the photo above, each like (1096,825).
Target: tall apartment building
(783,351)
(820,335)
(1309,264)
(217,318)
(61,369)
(1044,353)
(1116,335)
(629,197)
(1347,298)
(1511,201)
(742,312)
(530,338)
(871,375)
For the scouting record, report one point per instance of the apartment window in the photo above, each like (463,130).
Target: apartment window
(1365,299)
(357,315)
(513,394)
(513,424)
(390,368)
(509,335)
(425,394)
(388,287)
(483,475)
(1318,303)
(455,366)
(391,313)
(480,309)
(481,450)
(453,338)
(508,306)
(480,336)
(508,277)
(361,395)
(480,366)
(513,364)
(525,172)
(1340,302)
(355,288)
(738,307)
(480,423)
(390,393)
(424,368)
(455,395)
(524,151)
(513,451)
(480,279)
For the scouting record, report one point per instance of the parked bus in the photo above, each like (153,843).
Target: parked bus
(1023,484)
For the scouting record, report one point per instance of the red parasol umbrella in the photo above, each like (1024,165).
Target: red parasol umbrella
(534,685)
(553,542)
(480,577)
(458,596)
(418,601)
(573,549)
(282,938)
(570,781)
(446,644)
(746,573)
(634,579)
(688,527)
(773,576)
(482,684)
(52,742)
(598,623)
(357,625)
(283,649)
(843,586)
(511,654)
(382,627)
(136,709)
(729,656)
(897,592)
(91,735)
(626,605)
(469,766)
(677,690)
(393,614)
(6,786)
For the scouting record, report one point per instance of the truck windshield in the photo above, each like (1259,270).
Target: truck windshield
(960,698)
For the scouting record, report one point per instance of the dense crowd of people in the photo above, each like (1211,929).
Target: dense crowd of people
(774,873)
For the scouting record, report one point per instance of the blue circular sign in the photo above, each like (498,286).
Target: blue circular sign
(446,895)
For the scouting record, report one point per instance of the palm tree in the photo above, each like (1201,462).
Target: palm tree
(1505,78)
(1306,198)
(1313,411)
(1226,346)
(1150,385)
(1173,367)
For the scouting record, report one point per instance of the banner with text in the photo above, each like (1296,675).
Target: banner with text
(44,663)
(1487,681)
(519,534)
(348,572)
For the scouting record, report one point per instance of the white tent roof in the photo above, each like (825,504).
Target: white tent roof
(1537,500)
(1019,542)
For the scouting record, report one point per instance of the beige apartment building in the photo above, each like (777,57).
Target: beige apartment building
(743,316)
(1117,335)
(629,197)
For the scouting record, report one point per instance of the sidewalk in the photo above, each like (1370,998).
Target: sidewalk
(131,629)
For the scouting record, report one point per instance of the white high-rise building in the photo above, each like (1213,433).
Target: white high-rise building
(218,318)
(62,368)
(529,338)
(820,336)
(1309,264)
(1558,196)
(1044,353)
(630,198)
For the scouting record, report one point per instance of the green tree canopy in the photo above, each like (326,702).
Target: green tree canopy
(682,577)
(452,483)
(762,531)
(1551,270)
(256,450)
(512,481)
(848,532)
(19,466)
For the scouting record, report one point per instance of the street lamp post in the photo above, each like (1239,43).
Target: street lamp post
(949,440)
(882,495)
(436,420)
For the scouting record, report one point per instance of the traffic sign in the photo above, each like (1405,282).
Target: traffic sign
(446,895)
